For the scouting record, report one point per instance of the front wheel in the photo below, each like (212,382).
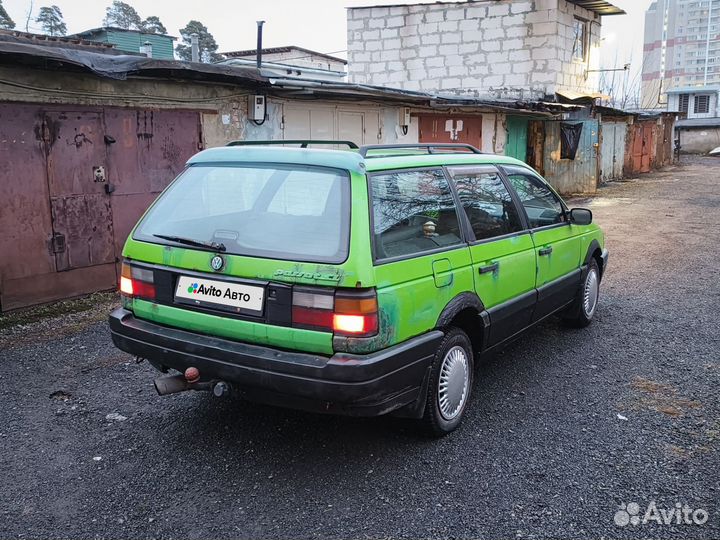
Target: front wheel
(581,313)
(450,384)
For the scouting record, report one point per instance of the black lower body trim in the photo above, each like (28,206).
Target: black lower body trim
(557,294)
(363,385)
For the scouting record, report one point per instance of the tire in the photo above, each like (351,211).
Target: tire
(583,309)
(450,384)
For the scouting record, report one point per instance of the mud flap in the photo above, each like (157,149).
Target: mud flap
(417,408)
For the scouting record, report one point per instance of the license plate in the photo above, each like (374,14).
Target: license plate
(219,294)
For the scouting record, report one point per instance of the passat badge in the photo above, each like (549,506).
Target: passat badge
(217,263)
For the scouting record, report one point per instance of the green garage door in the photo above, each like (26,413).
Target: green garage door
(517,130)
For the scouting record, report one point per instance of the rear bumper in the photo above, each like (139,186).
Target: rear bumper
(360,385)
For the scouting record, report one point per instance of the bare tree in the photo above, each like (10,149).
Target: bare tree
(29,15)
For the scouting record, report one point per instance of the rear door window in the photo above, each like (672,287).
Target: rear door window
(488,205)
(413,212)
(296,213)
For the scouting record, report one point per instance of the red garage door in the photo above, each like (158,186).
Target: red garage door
(78,179)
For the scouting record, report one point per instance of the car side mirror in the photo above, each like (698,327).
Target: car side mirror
(580,216)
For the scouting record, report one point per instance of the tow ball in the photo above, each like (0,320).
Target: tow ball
(190,380)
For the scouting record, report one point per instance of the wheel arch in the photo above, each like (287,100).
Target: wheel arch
(467,312)
(594,251)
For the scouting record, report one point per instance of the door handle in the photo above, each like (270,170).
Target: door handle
(545,251)
(489,268)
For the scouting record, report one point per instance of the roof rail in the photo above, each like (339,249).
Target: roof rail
(302,142)
(430,148)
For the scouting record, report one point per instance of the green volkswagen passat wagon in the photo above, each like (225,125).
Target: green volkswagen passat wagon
(359,282)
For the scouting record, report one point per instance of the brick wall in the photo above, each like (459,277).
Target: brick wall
(498,48)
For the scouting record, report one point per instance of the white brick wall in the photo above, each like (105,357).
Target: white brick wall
(492,48)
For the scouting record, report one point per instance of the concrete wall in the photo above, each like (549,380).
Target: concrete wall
(699,141)
(494,48)
(223,107)
(214,101)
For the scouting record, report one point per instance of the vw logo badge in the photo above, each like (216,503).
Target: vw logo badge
(217,262)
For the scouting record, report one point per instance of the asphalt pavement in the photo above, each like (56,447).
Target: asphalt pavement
(570,433)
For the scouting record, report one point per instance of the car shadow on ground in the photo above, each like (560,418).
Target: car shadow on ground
(201,421)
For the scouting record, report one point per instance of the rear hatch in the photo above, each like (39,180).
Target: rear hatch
(256,252)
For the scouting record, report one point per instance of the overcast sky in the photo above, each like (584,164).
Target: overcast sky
(313,24)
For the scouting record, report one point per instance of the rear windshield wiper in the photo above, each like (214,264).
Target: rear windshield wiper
(190,242)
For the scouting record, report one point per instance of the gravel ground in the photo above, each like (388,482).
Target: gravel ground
(564,427)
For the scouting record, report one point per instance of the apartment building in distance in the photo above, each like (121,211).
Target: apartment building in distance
(681,55)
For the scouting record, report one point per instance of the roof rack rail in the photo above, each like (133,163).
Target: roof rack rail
(430,148)
(302,142)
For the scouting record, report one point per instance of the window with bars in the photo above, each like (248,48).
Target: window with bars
(684,101)
(702,104)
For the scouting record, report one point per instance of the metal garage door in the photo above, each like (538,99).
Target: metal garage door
(336,123)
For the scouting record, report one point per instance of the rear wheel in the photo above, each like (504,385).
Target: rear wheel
(581,313)
(450,384)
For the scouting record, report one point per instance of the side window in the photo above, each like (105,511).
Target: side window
(413,212)
(541,204)
(486,201)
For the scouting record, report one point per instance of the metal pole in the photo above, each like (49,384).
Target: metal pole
(195,47)
(259,43)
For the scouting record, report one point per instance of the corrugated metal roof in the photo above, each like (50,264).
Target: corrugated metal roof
(601,7)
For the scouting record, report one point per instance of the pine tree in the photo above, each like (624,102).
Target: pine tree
(122,15)
(206,42)
(152,25)
(5,20)
(51,21)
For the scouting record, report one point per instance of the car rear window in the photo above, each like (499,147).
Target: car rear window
(282,212)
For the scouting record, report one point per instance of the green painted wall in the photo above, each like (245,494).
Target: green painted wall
(132,41)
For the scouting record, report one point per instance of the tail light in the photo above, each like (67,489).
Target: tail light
(343,312)
(136,282)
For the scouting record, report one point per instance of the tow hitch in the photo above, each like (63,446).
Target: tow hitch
(190,380)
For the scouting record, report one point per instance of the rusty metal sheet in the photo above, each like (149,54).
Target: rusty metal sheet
(439,128)
(643,146)
(24,207)
(41,288)
(58,170)
(127,209)
(75,148)
(579,175)
(536,145)
(85,223)
(150,148)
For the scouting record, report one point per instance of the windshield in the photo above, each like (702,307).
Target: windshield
(282,212)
